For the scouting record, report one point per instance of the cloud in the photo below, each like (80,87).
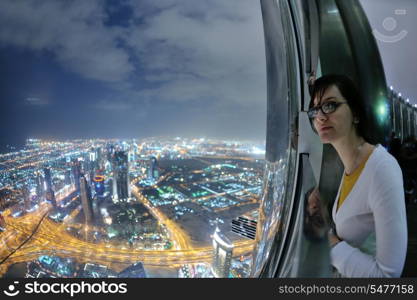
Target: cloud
(36,101)
(211,50)
(72,31)
(112,105)
(198,64)
(170,50)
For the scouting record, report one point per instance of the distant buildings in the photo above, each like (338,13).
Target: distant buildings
(192,190)
(99,185)
(86,200)
(97,271)
(26,198)
(67,177)
(134,271)
(222,255)
(49,192)
(121,184)
(153,173)
(59,267)
(76,172)
(39,185)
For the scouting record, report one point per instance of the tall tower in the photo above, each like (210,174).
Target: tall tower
(99,163)
(26,198)
(99,185)
(39,186)
(49,191)
(121,182)
(86,200)
(76,171)
(48,179)
(153,168)
(222,255)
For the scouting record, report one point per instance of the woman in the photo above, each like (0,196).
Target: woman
(370,238)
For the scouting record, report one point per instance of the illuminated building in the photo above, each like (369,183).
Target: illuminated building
(134,271)
(26,198)
(222,255)
(86,200)
(110,151)
(121,184)
(76,171)
(39,185)
(245,226)
(99,185)
(48,179)
(67,179)
(49,192)
(92,156)
(153,169)
(132,156)
(99,161)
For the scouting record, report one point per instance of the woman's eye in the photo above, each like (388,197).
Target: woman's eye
(329,105)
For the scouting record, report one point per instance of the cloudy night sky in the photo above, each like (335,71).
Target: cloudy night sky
(85,69)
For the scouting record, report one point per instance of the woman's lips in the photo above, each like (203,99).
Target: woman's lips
(325,128)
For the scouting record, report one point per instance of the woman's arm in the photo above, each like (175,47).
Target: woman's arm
(387,204)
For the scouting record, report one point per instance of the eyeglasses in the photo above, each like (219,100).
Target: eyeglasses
(326,108)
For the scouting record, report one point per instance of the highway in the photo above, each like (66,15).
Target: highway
(51,238)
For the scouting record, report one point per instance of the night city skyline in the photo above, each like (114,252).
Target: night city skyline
(132,208)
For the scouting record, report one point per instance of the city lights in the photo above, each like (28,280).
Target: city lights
(111,208)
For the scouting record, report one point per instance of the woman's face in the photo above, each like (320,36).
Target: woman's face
(338,124)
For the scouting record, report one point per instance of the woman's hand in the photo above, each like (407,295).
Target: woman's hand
(333,239)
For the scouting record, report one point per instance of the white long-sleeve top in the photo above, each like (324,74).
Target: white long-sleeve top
(372,221)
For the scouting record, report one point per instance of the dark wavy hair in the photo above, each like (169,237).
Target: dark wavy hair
(349,91)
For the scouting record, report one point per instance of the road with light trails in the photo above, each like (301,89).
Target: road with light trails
(52,239)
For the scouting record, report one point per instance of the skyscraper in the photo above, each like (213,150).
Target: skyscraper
(99,158)
(39,185)
(67,178)
(153,169)
(121,184)
(222,255)
(76,171)
(26,197)
(49,191)
(110,151)
(48,178)
(86,200)
(99,185)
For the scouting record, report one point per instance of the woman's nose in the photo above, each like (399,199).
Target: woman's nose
(321,116)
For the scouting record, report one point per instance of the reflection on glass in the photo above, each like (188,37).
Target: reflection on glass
(315,228)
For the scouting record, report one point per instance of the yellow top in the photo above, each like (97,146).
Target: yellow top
(350,180)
